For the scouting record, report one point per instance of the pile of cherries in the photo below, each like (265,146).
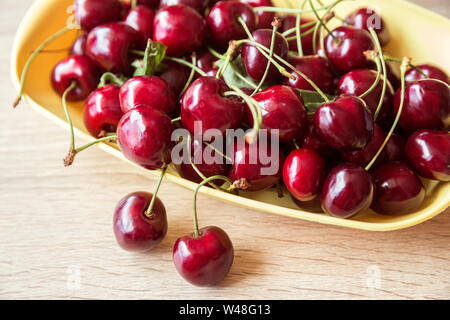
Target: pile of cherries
(354,133)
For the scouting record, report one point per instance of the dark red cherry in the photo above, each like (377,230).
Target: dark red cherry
(364,18)
(198,5)
(431,71)
(347,190)
(204,260)
(397,189)
(151,91)
(428,152)
(345,124)
(110,46)
(255,63)
(257,165)
(79,45)
(347,51)
(206,62)
(282,110)
(204,102)
(141,19)
(79,69)
(102,112)
(303,174)
(144,137)
(394,150)
(313,141)
(223,24)
(426,106)
(358,81)
(264,18)
(92,13)
(314,67)
(134,230)
(290,22)
(175,74)
(180,28)
(126,4)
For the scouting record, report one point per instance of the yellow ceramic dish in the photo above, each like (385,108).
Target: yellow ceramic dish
(416,32)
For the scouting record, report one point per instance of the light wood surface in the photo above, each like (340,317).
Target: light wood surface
(56,229)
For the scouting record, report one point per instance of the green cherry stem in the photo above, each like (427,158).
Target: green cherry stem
(286,10)
(244,25)
(109,77)
(149,210)
(389,58)
(218,152)
(67,113)
(320,22)
(187,64)
(376,58)
(298,31)
(68,160)
(191,75)
(133,4)
(293,30)
(383,64)
(176,120)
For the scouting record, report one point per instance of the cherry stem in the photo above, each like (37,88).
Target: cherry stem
(244,25)
(133,4)
(201,184)
(149,210)
(70,157)
(109,77)
(383,64)
(34,55)
(403,68)
(191,75)
(292,30)
(305,33)
(376,59)
(216,54)
(298,31)
(176,120)
(389,58)
(66,111)
(296,144)
(187,64)
(321,22)
(219,152)
(286,10)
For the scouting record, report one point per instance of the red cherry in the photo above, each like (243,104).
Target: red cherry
(364,18)
(303,173)
(176,76)
(264,18)
(394,150)
(102,112)
(290,22)
(79,45)
(92,13)
(431,71)
(110,46)
(223,24)
(144,137)
(180,28)
(206,62)
(347,51)
(198,5)
(141,19)
(151,91)
(347,190)
(79,69)
(134,230)
(428,152)
(397,189)
(345,124)
(426,106)
(313,141)
(204,260)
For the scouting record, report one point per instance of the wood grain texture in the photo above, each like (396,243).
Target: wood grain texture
(57,221)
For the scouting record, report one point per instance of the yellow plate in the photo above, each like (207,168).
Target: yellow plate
(415,32)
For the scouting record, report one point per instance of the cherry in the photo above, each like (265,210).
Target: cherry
(254,61)
(303,173)
(394,149)
(364,18)
(397,189)
(223,23)
(313,141)
(282,110)
(180,28)
(102,112)
(92,13)
(206,62)
(426,106)
(198,5)
(345,124)
(110,46)
(205,101)
(264,18)
(79,45)
(206,259)
(314,67)
(347,190)
(345,48)
(431,71)
(140,19)
(151,91)
(79,69)
(428,152)
(144,137)
(175,74)
(133,228)
(290,22)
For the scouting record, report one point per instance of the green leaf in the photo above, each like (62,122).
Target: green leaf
(153,56)
(312,100)
(232,79)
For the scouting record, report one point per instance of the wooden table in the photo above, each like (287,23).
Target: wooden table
(57,241)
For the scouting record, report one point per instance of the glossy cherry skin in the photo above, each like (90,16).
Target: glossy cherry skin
(258,175)
(303,174)
(141,19)
(79,45)
(347,190)
(80,69)
(290,22)
(255,63)
(426,106)
(151,91)
(176,76)
(345,124)
(348,53)
(264,19)
(110,46)
(92,13)
(364,18)
(206,62)
(102,112)
(314,67)
(204,260)
(431,71)
(358,81)
(313,141)
(223,24)
(198,5)
(204,101)
(134,230)
(394,150)
(180,28)
(397,189)
(144,137)
(428,152)
(282,110)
